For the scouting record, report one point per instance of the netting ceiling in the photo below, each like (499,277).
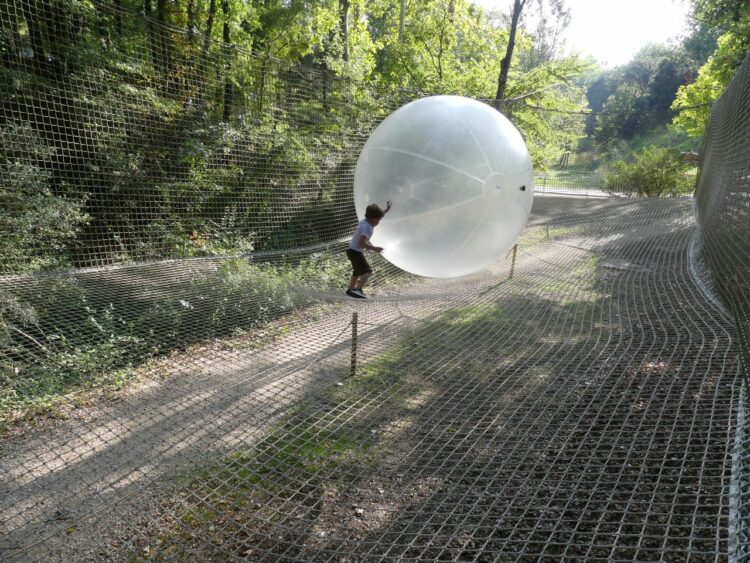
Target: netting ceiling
(218,397)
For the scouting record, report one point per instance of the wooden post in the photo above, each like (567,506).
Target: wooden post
(354,345)
(513,261)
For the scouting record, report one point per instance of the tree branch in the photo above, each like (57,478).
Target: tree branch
(34,340)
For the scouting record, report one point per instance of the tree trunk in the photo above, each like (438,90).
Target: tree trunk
(262,84)
(344,14)
(37,45)
(200,80)
(15,39)
(164,43)
(502,80)
(12,53)
(191,20)
(402,21)
(152,39)
(61,38)
(101,24)
(118,17)
(209,29)
(228,87)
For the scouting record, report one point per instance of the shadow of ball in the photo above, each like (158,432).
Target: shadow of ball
(460,179)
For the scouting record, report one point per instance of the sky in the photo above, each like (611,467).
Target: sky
(612,31)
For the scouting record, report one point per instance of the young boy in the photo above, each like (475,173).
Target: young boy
(361,240)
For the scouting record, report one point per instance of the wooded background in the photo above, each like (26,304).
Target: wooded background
(137,129)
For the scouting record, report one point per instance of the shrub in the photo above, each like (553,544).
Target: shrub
(36,225)
(653,172)
(65,334)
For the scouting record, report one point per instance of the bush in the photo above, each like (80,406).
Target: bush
(36,226)
(66,334)
(653,172)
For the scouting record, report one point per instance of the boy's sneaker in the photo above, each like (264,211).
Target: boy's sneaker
(354,293)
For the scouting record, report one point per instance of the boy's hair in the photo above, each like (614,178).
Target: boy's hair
(374,211)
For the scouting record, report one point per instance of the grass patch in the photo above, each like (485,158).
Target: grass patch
(237,501)
(580,278)
(543,234)
(302,473)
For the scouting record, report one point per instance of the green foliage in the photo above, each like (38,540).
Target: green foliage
(549,134)
(167,164)
(719,57)
(454,47)
(54,343)
(668,136)
(36,224)
(720,11)
(693,101)
(445,48)
(654,172)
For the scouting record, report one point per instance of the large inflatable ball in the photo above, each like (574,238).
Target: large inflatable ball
(460,179)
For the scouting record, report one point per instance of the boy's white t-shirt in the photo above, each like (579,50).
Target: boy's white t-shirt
(363,228)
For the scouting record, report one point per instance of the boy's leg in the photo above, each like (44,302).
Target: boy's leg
(352,291)
(360,275)
(363,280)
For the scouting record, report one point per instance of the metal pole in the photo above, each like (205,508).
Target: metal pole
(513,261)
(354,345)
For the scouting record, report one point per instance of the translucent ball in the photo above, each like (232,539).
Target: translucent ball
(460,178)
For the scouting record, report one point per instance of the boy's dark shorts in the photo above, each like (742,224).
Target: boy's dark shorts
(359,262)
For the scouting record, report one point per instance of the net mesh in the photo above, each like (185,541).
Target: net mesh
(184,379)
(722,208)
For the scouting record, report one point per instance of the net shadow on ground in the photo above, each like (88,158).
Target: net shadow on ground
(66,473)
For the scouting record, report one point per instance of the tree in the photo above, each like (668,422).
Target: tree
(344,15)
(226,37)
(143,122)
(693,101)
(717,12)
(700,43)
(401,20)
(635,99)
(596,95)
(502,80)
(552,18)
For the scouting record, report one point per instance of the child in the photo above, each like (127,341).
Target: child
(361,240)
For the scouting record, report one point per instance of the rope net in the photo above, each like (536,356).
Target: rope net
(183,378)
(722,211)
